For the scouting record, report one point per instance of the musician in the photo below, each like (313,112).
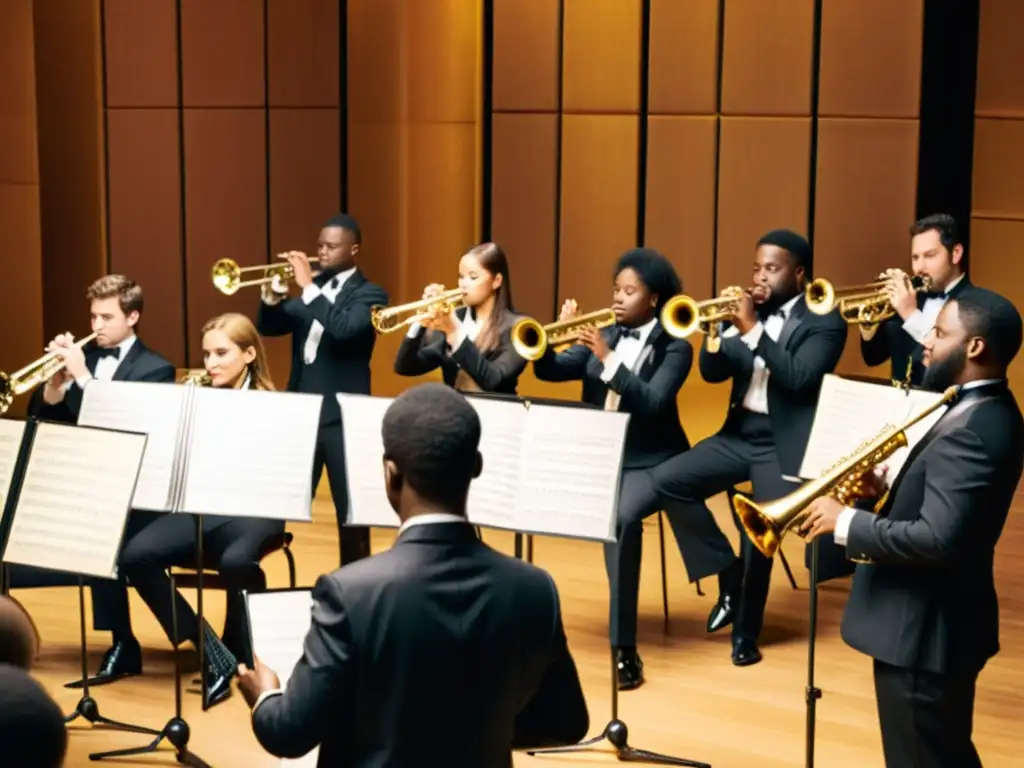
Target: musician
(440,642)
(332,342)
(635,367)
(938,253)
(925,607)
(234,359)
(32,730)
(472,345)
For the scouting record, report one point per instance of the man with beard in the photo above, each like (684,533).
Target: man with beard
(924,606)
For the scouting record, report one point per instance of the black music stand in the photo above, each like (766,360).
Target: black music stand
(811,692)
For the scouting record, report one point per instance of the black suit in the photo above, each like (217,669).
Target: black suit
(342,364)
(439,643)
(925,608)
(494,370)
(648,393)
(765,449)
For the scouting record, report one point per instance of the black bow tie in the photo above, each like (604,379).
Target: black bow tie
(925,295)
(630,333)
(334,283)
(114,352)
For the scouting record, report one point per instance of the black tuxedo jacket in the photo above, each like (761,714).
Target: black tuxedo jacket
(891,342)
(649,394)
(438,641)
(140,363)
(343,358)
(928,599)
(808,347)
(496,370)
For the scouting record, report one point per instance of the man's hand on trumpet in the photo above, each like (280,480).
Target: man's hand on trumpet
(594,340)
(302,272)
(746,315)
(74,358)
(569,310)
(901,294)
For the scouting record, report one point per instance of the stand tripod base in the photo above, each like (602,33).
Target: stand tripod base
(617,734)
(88,709)
(176,732)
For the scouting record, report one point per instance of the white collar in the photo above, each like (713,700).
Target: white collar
(247,382)
(787,308)
(431,519)
(645,330)
(978,383)
(341,277)
(952,285)
(124,346)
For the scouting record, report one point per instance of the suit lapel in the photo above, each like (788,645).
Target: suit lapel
(793,321)
(350,287)
(124,368)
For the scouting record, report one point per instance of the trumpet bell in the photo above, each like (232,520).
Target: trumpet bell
(227,276)
(529,339)
(680,317)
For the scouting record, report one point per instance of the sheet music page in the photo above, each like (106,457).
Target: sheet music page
(279,623)
(251,454)
(75,498)
(361,420)
(492,495)
(152,409)
(11,434)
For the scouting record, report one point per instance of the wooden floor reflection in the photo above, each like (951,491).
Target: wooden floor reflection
(695,703)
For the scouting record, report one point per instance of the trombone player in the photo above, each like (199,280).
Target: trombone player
(924,606)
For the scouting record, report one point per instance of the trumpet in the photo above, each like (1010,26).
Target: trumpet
(197,377)
(388,319)
(227,275)
(844,481)
(32,375)
(865,305)
(531,339)
(682,316)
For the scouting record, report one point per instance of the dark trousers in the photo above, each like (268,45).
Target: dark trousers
(745,452)
(926,718)
(354,540)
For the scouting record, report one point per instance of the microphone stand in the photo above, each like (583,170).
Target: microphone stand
(617,734)
(812,693)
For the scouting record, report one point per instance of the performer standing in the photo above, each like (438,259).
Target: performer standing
(925,608)
(637,368)
(332,342)
(472,345)
(937,253)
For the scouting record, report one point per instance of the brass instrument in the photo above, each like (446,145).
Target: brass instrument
(766,525)
(32,375)
(531,339)
(681,315)
(227,275)
(197,377)
(865,305)
(388,319)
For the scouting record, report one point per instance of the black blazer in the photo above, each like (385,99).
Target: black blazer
(139,364)
(343,358)
(649,395)
(808,347)
(496,370)
(438,641)
(891,342)
(928,601)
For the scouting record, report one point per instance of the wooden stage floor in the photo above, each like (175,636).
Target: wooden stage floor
(695,704)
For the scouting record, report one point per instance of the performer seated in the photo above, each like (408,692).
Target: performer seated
(637,368)
(234,358)
(437,643)
(472,345)
(924,607)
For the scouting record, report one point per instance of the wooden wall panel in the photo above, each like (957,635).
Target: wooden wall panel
(684,57)
(1000,60)
(222,61)
(996,246)
(141,47)
(601,66)
(303,65)
(527,39)
(999,168)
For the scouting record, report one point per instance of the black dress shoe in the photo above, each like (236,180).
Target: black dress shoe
(745,652)
(722,612)
(122,659)
(629,668)
(218,687)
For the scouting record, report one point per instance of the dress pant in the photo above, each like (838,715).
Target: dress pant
(354,540)
(745,452)
(926,717)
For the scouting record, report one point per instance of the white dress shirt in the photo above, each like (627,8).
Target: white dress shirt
(756,397)
(627,353)
(276,290)
(106,366)
(466,328)
(922,320)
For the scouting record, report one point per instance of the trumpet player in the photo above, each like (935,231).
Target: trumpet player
(936,253)
(472,345)
(332,342)
(923,606)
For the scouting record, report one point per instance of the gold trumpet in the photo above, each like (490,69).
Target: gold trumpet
(389,319)
(32,375)
(865,305)
(682,316)
(844,481)
(531,339)
(197,377)
(227,275)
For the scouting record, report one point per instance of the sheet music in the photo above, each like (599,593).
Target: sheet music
(278,625)
(361,419)
(251,454)
(75,498)
(492,495)
(154,409)
(11,434)
(851,412)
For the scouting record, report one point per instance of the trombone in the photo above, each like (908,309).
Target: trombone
(682,316)
(32,375)
(531,339)
(228,276)
(865,305)
(388,319)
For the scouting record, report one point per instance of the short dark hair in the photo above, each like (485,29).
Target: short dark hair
(793,243)
(655,272)
(944,224)
(32,731)
(344,221)
(17,635)
(992,317)
(432,434)
(127,292)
